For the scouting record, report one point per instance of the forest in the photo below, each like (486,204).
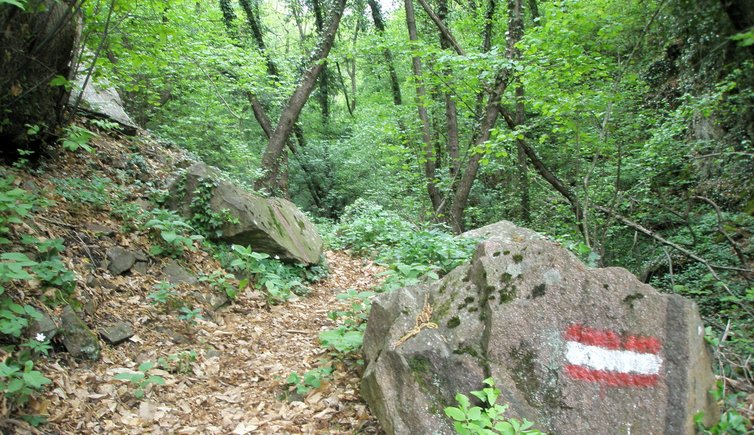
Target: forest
(623,130)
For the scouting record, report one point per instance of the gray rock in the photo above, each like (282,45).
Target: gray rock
(78,339)
(120,260)
(45,325)
(103,100)
(140,267)
(141,255)
(117,332)
(97,229)
(175,274)
(175,336)
(215,300)
(574,349)
(270,225)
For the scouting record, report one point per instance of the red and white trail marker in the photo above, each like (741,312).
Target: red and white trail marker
(608,358)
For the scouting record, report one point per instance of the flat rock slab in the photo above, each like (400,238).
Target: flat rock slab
(174,273)
(574,349)
(270,225)
(103,100)
(117,332)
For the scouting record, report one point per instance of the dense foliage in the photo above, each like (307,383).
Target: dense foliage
(623,129)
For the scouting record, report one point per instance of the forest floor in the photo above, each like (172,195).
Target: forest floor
(225,372)
(237,383)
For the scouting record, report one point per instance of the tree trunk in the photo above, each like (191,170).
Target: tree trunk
(256,30)
(271,156)
(379,24)
(435,195)
(324,77)
(451,112)
(516,31)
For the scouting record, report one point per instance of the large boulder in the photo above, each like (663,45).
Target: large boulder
(103,101)
(574,349)
(270,225)
(36,48)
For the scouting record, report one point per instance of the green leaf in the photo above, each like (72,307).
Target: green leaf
(130,377)
(146,365)
(19,4)
(15,385)
(455,413)
(157,380)
(35,379)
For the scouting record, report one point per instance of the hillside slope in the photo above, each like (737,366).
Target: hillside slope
(208,369)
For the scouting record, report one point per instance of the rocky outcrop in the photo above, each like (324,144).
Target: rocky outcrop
(574,349)
(102,100)
(270,225)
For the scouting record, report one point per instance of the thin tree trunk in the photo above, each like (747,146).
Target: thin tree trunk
(256,30)
(379,24)
(435,195)
(451,112)
(516,32)
(271,156)
(324,77)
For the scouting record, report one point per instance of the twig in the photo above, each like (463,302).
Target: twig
(55,222)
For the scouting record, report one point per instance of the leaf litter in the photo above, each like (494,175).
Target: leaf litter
(236,382)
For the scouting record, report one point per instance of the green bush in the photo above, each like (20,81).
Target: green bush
(368,229)
(276,279)
(171,234)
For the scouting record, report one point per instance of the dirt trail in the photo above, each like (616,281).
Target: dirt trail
(237,383)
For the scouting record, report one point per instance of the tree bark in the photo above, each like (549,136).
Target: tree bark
(379,24)
(253,22)
(324,77)
(451,111)
(516,30)
(271,156)
(430,169)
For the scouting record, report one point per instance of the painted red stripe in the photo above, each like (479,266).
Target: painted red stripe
(613,379)
(611,340)
(593,337)
(642,344)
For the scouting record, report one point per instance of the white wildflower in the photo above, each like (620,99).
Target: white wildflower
(41,337)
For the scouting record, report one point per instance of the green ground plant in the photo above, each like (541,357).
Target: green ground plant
(178,362)
(347,337)
(310,380)
(141,379)
(277,280)
(487,419)
(171,234)
(222,282)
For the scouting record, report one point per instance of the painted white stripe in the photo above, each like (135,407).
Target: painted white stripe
(625,361)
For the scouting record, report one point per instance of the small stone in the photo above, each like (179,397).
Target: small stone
(140,267)
(117,333)
(211,353)
(175,274)
(175,336)
(217,300)
(45,325)
(97,230)
(78,339)
(141,255)
(120,260)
